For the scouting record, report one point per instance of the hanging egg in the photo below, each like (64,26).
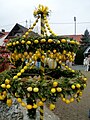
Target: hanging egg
(52,63)
(46,61)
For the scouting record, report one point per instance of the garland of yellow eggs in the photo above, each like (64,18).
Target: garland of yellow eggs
(54,88)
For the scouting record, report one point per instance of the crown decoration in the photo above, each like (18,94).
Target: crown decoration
(41,73)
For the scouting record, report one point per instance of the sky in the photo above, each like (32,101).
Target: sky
(61,18)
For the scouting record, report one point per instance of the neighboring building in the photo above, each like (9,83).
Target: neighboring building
(18,30)
(3,35)
(75,37)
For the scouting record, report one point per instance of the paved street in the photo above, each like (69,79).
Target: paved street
(79,67)
(76,110)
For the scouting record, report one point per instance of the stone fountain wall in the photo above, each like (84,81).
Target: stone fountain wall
(17,112)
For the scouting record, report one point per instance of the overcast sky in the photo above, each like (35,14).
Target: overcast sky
(61,18)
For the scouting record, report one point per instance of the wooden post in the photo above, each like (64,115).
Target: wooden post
(42,64)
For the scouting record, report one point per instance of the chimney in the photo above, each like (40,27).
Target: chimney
(3,30)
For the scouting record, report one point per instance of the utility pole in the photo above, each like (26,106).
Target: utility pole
(30,23)
(75,25)
(26,24)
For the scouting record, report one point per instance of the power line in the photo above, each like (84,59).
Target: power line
(11,24)
(72,23)
(49,23)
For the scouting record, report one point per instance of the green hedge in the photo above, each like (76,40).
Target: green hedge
(79,56)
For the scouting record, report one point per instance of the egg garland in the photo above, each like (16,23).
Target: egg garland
(41,73)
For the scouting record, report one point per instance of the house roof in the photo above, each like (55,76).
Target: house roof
(2,34)
(19,30)
(76,37)
(16,29)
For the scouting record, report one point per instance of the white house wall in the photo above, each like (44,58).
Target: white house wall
(2,39)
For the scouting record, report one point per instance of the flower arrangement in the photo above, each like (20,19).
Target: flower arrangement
(4,60)
(41,10)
